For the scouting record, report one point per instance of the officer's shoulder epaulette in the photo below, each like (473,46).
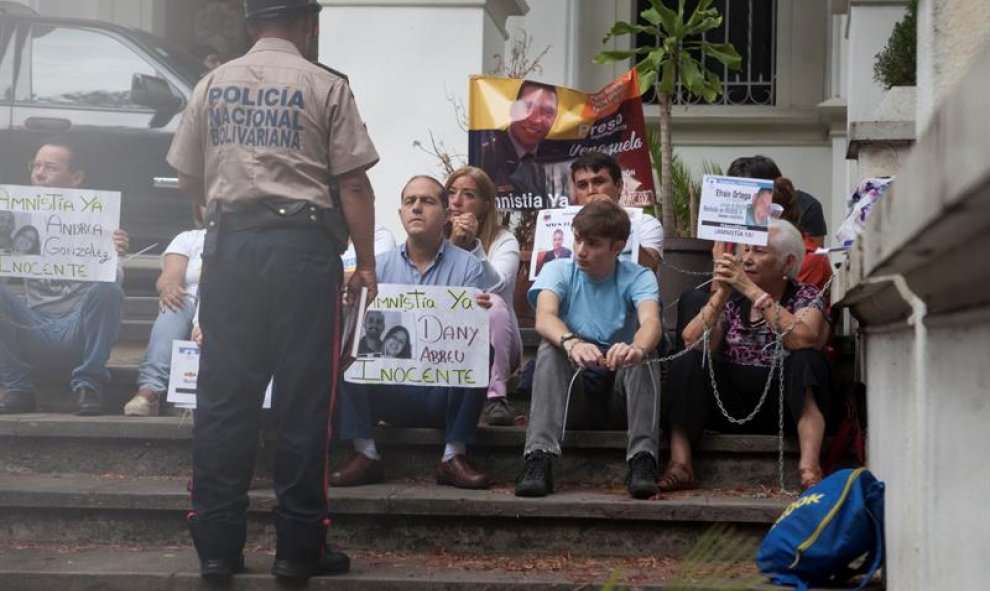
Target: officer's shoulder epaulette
(337,73)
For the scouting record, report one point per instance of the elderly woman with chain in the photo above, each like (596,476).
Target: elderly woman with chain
(755,315)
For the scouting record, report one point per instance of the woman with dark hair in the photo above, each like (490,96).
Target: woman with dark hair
(474,226)
(396,343)
(27,240)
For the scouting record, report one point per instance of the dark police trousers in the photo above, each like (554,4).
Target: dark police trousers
(268,308)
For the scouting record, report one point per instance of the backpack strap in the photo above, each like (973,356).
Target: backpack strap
(872,509)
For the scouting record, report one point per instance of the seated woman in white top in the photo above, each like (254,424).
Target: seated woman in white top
(474,226)
(178,294)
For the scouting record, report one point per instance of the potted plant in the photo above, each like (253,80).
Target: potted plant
(671,61)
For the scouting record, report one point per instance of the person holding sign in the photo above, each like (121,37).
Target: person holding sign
(178,296)
(752,300)
(263,139)
(426,258)
(61,321)
(598,174)
(601,315)
(474,226)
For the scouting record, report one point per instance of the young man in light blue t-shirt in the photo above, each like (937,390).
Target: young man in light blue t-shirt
(601,316)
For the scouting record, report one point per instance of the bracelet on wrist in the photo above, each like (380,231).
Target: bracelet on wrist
(761,302)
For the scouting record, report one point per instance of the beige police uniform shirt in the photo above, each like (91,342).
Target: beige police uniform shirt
(271,125)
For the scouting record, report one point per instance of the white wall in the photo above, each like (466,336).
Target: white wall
(403,63)
(869,26)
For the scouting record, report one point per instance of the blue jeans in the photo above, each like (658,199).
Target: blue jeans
(169,326)
(81,338)
(455,410)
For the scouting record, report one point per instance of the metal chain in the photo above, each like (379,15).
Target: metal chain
(667,265)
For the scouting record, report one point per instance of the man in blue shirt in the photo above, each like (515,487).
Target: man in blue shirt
(600,315)
(426,258)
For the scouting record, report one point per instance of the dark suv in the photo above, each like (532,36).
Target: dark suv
(116,92)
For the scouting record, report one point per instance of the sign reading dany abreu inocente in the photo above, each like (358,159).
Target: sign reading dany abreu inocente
(420,335)
(48,233)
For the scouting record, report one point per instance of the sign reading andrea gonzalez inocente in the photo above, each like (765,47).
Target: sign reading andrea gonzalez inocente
(415,335)
(49,233)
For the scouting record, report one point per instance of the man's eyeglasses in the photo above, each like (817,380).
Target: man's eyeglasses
(50,167)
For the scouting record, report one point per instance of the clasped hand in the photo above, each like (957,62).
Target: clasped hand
(463,230)
(588,355)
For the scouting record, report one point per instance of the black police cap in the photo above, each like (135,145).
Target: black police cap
(262,9)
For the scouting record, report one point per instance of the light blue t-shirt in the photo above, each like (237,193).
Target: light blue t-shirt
(602,311)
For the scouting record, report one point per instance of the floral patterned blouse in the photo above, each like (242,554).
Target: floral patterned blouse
(747,343)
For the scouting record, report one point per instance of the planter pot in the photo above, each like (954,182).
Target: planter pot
(687,262)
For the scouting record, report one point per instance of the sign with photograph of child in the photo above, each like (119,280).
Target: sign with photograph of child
(553,238)
(735,209)
(416,335)
(48,233)
(184,375)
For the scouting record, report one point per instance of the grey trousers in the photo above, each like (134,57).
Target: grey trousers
(632,401)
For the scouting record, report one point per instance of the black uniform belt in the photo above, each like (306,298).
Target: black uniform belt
(270,213)
(275,213)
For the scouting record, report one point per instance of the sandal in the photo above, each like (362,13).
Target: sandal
(809,477)
(676,476)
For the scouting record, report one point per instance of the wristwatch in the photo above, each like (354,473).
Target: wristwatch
(567,336)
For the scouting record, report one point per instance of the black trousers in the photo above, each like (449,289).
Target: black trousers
(269,306)
(690,403)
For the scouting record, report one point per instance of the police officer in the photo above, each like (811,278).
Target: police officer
(262,141)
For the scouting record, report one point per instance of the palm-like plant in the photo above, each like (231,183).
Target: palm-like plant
(670,61)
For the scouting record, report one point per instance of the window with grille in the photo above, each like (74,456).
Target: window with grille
(751,26)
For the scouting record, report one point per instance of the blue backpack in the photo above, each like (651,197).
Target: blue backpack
(832,524)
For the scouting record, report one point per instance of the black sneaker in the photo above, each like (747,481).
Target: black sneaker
(536,479)
(497,413)
(17,403)
(642,478)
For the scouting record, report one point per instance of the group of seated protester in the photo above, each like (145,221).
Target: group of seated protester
(598,316)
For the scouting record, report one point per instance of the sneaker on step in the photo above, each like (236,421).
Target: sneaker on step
(536,479)
(497,412)
(642,478)
(144,404)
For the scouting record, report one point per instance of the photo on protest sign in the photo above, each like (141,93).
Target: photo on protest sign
(48,233)
(525,134)
(426,335)
(387,333)
(735,209)
(553,238)
(184,375)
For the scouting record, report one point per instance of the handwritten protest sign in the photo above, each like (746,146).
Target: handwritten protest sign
(422,336)
(735,209)
(48,233)
(553,237)
(525,135)
(184,375)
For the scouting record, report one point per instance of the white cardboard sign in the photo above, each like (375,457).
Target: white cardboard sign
(64,234)
(735,209)
(417,335)
(554,238)
(185,373)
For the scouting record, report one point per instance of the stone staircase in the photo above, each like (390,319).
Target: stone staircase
(99,504)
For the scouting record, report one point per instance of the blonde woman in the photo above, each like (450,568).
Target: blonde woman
(473,225)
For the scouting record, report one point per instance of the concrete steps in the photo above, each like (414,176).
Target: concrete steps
(159,446)
(116,568)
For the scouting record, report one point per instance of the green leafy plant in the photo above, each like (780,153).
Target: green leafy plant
(669,62)
(685,187)
(897,62)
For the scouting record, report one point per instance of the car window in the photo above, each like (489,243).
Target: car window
(84,68)
(6,63)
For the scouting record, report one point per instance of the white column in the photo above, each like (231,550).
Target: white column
(408,62)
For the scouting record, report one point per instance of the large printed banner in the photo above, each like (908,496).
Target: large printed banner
(525,135)
(417,335)
(48,233)
(554,237)
(735,209)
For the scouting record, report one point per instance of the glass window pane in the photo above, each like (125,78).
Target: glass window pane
(83,68)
